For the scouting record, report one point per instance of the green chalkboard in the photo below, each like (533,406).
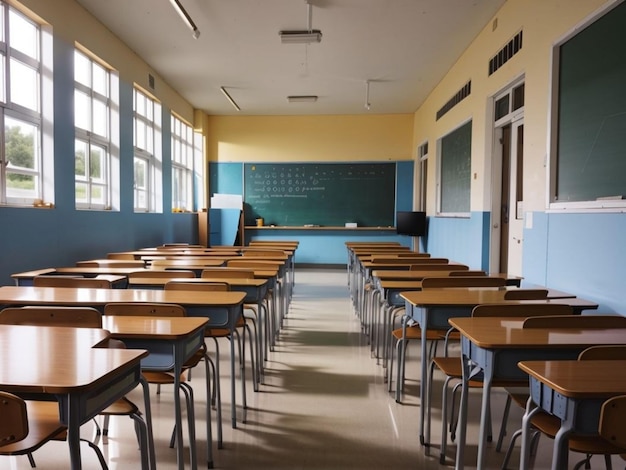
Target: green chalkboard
(591,141)
(325,194)
(456,158)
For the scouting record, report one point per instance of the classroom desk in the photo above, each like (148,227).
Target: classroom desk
(63,362)
(573,391)
(26,278)
(494,346)
(255,290)
(170,342)
(197,303)
(432,308)
(388,284)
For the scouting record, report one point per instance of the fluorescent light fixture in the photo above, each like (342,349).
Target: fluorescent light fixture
(300,37)
(302,99)
(230,98)
(185,17)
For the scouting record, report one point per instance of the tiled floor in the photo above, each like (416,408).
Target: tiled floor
(323,405)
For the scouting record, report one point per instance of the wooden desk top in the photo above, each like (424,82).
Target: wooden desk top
(233,281)
(501,333)
(418,275)
(579,379)
(52,359)
(475,296)
(125,327)
(96,263)
(264,273)
(188,264)
(28,295)
(417,285)
(92,271)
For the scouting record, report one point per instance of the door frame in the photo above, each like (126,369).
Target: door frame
(495,190)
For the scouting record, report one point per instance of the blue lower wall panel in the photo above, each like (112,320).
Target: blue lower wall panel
(324,246)
(580,253)
(461,239)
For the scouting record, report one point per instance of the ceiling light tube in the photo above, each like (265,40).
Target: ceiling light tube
(302,99)
(300,37)
(230,98)
(186,17)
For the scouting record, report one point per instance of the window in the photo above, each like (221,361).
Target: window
(182,166)
(147,161)
(93,116)
(21,159)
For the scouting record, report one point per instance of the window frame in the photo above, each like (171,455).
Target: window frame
(147,133)
(41,194)
(91,138)
(182,162)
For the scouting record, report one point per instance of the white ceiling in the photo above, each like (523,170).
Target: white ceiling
(403,47)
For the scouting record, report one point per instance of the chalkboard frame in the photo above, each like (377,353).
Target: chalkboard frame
(371,189)
(454,172)
(584,189)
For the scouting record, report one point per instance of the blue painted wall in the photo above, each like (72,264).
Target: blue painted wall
(580,253)
(464,240)
(33,238)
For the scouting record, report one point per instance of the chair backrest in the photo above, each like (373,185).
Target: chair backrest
(526,294)
(228,273)
(162,273)
(197,286)
(263,253)
(79,317)
(612,417)
(260,264)
(64,281)
(467,272)
(462,281)
(396,260)
(438,267)
(603,353)
(14,422)
(147,309)
(122,256)
(521,310)
(577,321)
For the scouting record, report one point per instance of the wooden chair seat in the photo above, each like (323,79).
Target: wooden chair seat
(44,425)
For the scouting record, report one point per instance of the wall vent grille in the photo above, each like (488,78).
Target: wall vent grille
(456,99)
(504,54)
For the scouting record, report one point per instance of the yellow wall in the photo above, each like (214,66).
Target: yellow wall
(543,22)
(309,138)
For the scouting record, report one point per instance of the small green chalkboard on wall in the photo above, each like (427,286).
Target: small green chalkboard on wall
(320,194)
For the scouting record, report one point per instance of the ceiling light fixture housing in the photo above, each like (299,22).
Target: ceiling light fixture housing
(305,36)
(186,17)
(302,98)
(300,37)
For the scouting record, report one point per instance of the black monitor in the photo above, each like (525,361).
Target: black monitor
(411,223)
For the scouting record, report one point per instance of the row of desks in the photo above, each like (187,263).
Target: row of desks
(100,376)
(493,346)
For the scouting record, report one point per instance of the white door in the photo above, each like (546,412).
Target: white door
(507,228)
(515,200)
